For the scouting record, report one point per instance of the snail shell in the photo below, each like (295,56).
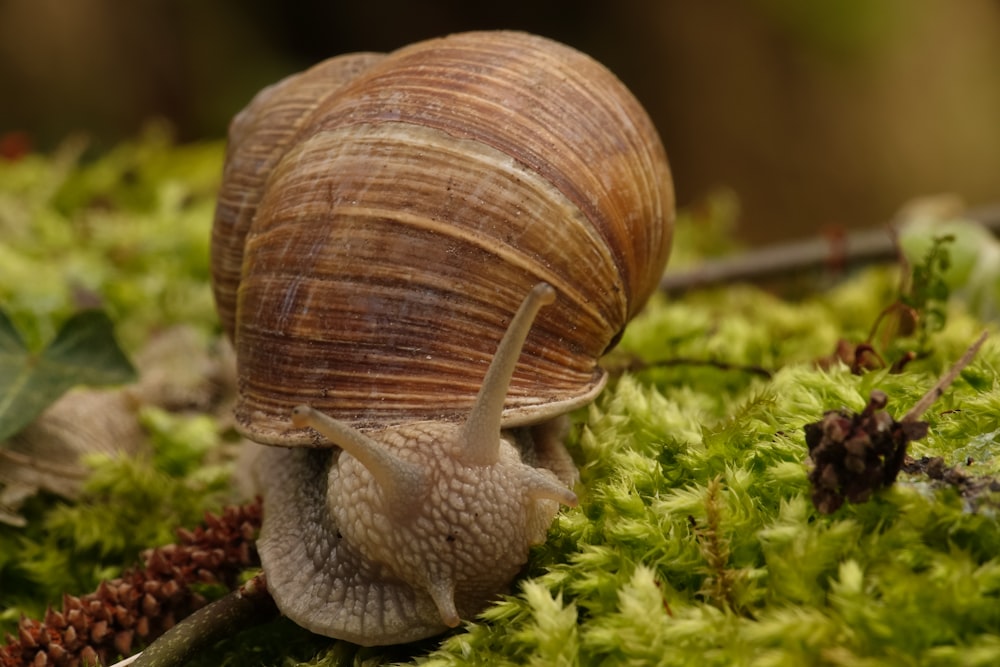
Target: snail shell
(380,221)
(411,202)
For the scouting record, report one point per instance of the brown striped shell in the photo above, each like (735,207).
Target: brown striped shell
(382,217)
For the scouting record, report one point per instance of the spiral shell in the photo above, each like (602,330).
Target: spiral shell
(381,218)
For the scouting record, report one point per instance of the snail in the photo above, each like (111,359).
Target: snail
(420,257)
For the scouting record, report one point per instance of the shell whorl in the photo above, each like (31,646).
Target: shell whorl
(382,217)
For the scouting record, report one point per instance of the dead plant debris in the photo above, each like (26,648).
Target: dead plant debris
(855,455)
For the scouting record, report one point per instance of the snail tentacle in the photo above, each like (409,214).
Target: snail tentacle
(481,444)
(400,481)
(541,486)
(443,594)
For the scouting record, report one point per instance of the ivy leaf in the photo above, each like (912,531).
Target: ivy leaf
(84,351)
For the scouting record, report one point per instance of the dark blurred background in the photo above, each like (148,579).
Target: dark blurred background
(816,113)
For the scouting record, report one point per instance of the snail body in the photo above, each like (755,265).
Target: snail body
(420,257)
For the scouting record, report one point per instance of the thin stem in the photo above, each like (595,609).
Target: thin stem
(639,365)
(920,407)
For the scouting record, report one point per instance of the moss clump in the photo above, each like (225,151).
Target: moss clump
(695,542)
(127,506)
(126,232)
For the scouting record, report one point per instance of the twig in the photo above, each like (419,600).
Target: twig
(851,249)
(638,365)
(248,605)
(920,407)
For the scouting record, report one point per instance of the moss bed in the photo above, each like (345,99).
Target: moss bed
(696,541)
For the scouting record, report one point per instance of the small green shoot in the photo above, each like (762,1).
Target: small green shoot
(928,295)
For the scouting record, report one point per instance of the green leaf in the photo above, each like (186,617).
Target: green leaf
(84,352)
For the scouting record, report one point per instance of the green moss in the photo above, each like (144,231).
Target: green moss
(127,506)
(128,231)
(695,542)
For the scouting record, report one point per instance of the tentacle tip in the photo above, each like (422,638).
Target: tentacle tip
(570,499)
(443,594)
(544,293)
(541,486)
(302,416)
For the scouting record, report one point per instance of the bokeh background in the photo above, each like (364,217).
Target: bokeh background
(818,114)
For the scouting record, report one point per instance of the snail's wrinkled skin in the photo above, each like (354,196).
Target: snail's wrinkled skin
(443,540)
(419,524)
